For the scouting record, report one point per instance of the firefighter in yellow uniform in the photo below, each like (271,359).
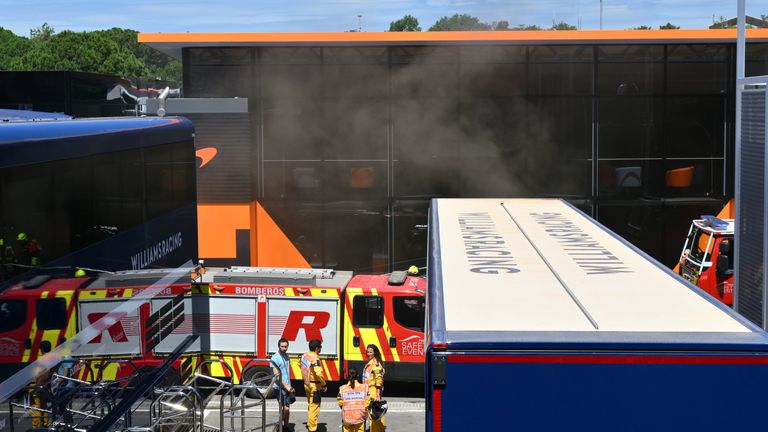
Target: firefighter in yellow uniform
(373,377)
(314,382)
(353,400)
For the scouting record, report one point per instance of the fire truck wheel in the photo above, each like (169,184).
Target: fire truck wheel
(261,376)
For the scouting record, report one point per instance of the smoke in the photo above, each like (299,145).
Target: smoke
(340,131)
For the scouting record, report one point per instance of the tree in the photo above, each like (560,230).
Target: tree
(11,47)
(642,27)
(458,23)
(42,33)
(501,25)
(668,26)
(159,65)
(526,27)
(86,52)
(408,23)
(562,25)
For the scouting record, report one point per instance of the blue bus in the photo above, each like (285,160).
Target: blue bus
(104,194)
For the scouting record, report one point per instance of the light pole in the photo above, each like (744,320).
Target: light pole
(601,14)
(359,23)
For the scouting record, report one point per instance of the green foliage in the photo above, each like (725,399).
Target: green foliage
(501,25)
(562,25)
(408,23)
(42,33)
(526,27)
(459,23)
(642,27)
(668,26)
(11,46)
(114,52)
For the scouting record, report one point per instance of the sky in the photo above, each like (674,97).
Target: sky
(170,16)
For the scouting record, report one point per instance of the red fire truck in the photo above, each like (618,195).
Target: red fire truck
(707,257)
(239,313)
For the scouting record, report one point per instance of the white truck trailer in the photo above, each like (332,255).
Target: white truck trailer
(541,319)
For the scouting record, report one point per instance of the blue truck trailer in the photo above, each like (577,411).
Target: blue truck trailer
(541,319)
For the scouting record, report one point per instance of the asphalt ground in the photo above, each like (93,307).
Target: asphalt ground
(405,413)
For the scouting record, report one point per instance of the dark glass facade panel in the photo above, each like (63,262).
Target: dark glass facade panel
(694,126)
(355,235)
(630,70)
(698,69)
(630,127)
(293,180)
(291,56)
(639,221)
(630,178)
(492,80)
(294,81)
(303,223)
(424,81)
(410,234)
(356,129)
(355,140)
(427,139)
(560,70)
(356,55)
(217,81)
(492,54)
(356,81)
(294,129)
(220,56)
(756,59)
(355,180)
(336,234)
(425,55)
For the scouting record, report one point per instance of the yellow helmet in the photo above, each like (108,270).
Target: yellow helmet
(413,270)
(22,236)
(80,273)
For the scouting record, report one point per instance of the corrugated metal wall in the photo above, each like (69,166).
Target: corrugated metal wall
(751,248)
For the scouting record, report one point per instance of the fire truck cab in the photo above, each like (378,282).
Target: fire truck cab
(707,257)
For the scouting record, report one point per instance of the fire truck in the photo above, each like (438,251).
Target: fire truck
(239,314)
(707,257)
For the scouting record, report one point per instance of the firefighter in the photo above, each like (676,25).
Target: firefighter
(353,400)
(29,250)
(8,258)
(314,382)
(413,270)
(373,377)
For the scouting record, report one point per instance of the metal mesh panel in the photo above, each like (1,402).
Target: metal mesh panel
(228,176)
(752,215)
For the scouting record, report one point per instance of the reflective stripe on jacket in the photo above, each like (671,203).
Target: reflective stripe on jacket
(309,361)
(373,375)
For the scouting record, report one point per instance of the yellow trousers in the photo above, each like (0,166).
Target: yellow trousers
(313,410)
(377,425)
(39,418)
(354,428)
